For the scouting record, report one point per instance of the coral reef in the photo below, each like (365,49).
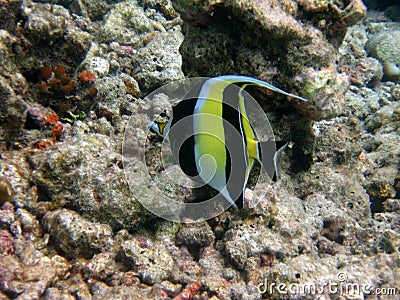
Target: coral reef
(384,46)
(152,260)
(73,72)
(74,236)
(269,40)
(73,172)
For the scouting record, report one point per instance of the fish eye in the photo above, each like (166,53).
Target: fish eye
(164,114)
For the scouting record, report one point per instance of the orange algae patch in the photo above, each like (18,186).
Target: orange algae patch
(51,119)
(59,72)
(93,92)
(64,106)
(43,144)
(57,130)
(43,88)
(87,77)
(56,85)
(45,72)
(65,80)
(67,88)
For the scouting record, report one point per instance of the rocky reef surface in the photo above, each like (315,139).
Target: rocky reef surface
(73,72)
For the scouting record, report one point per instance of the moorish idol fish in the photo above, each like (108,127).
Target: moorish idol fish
(212,139)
